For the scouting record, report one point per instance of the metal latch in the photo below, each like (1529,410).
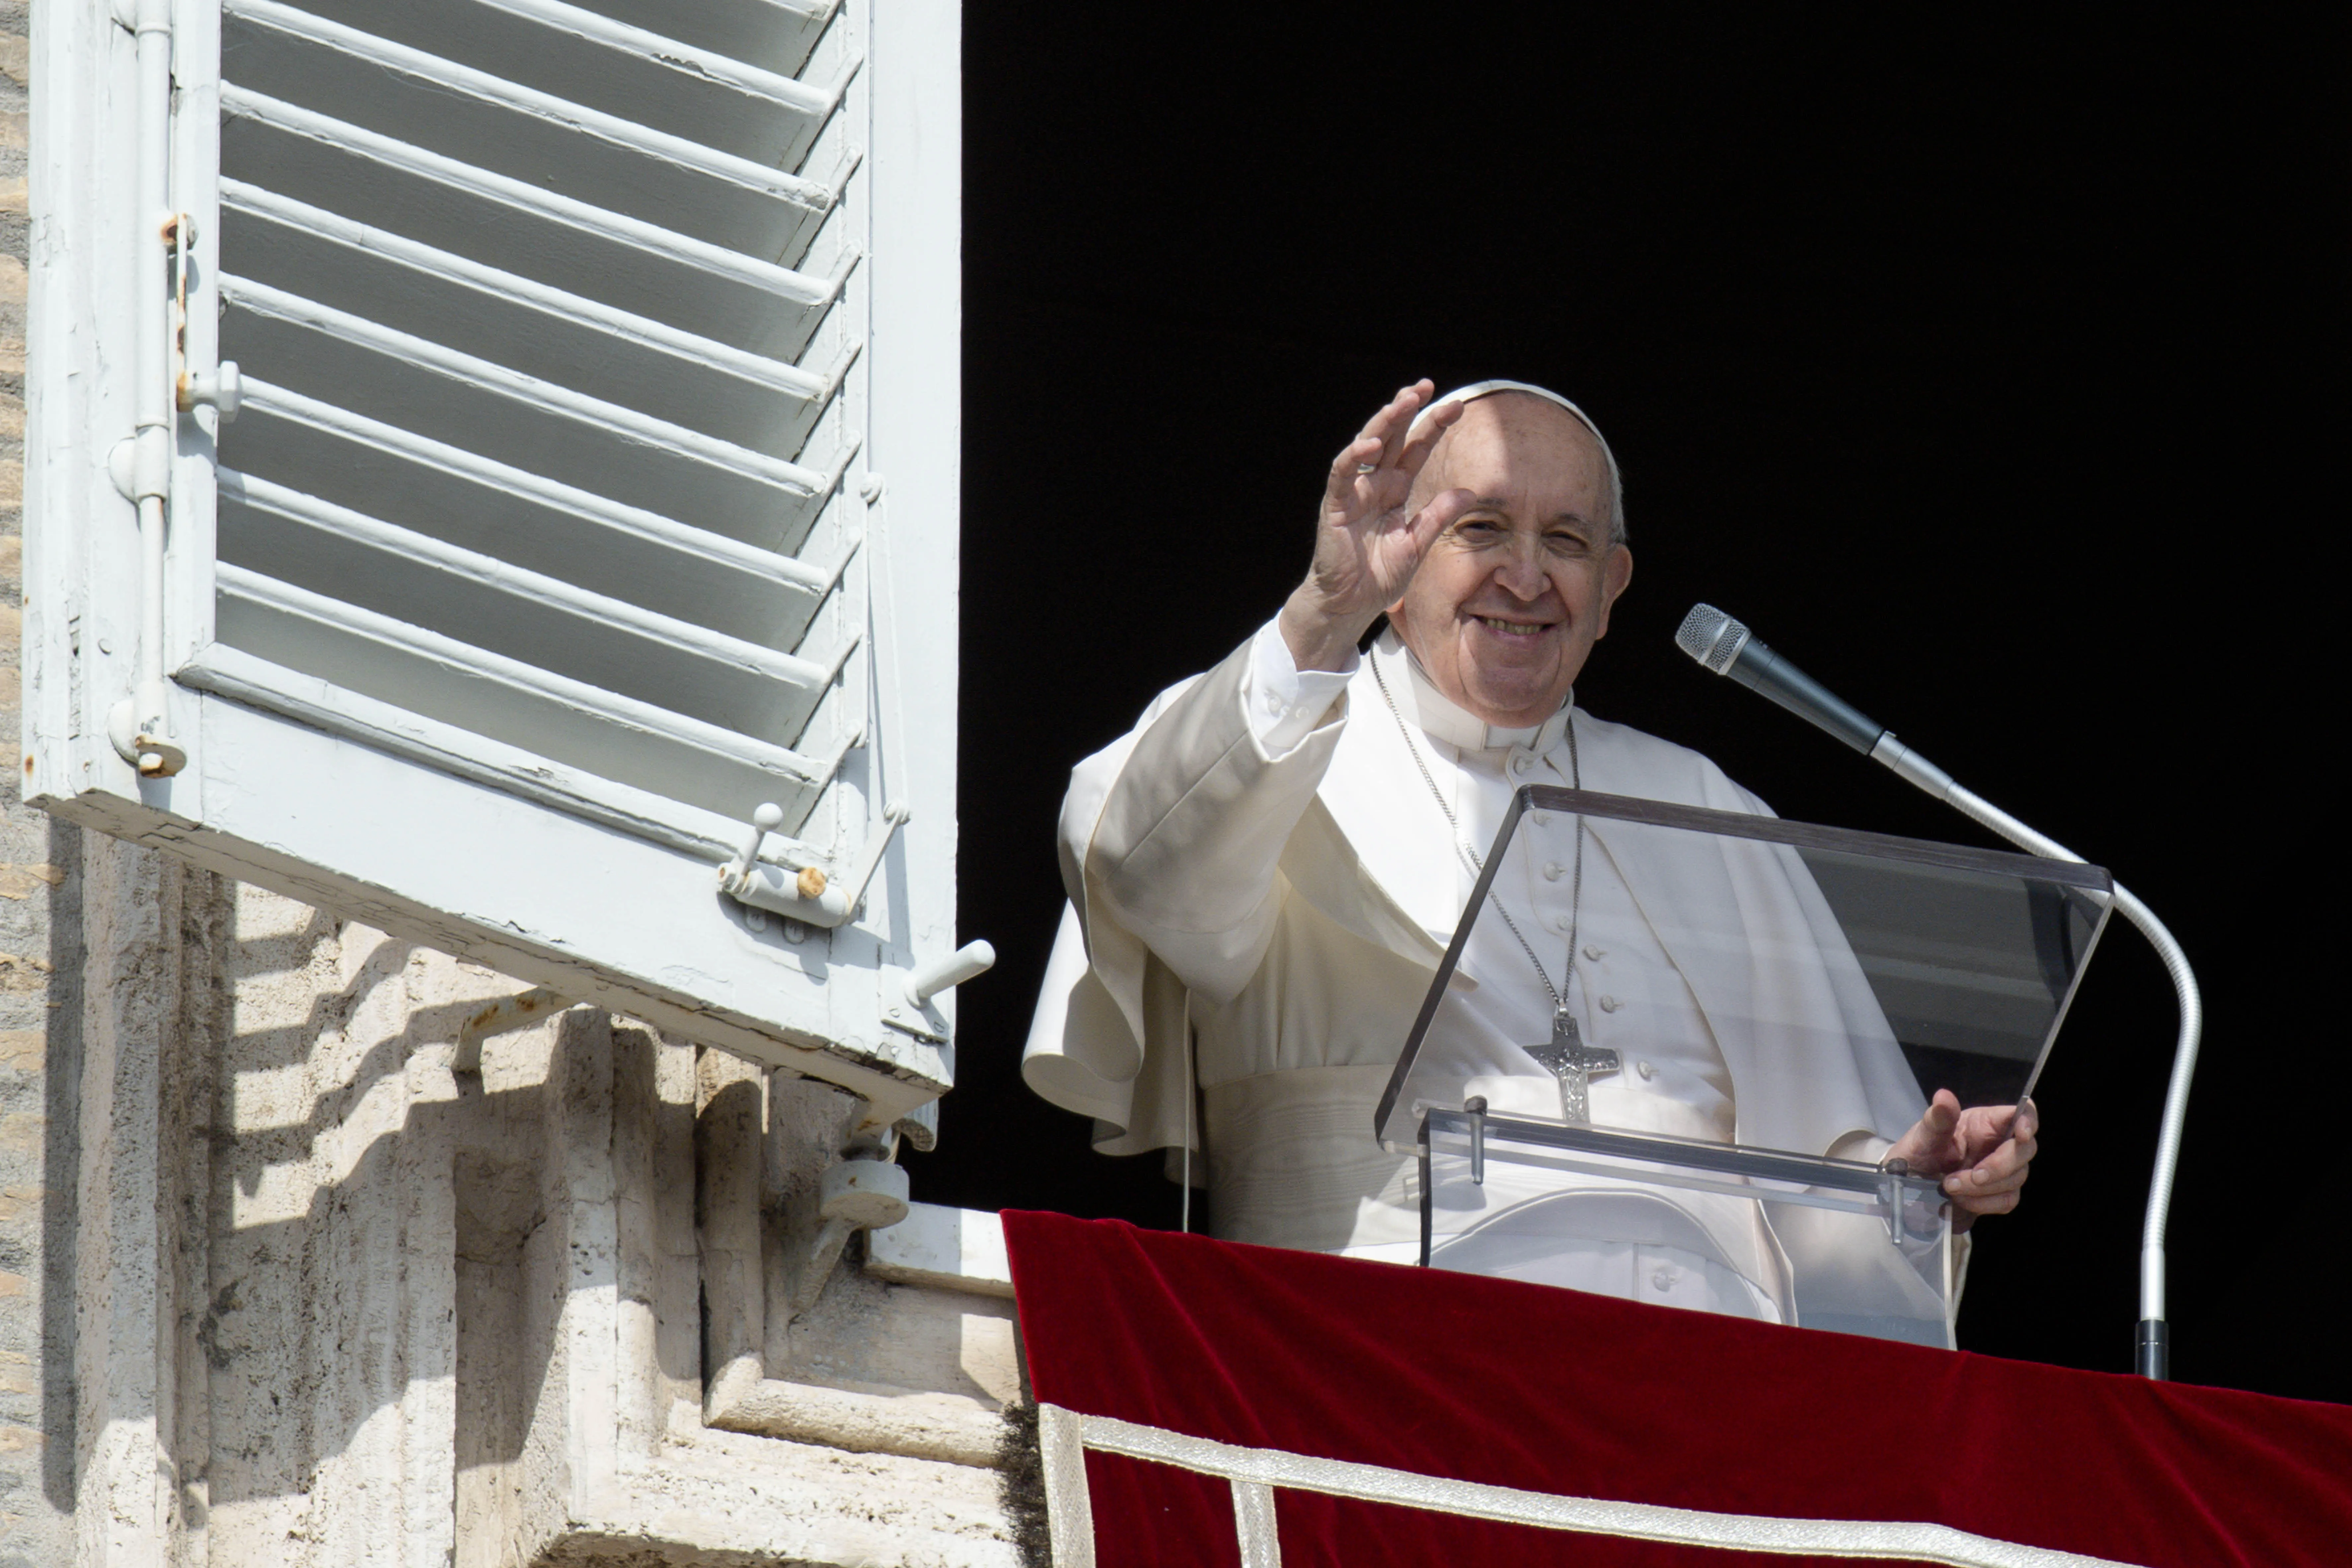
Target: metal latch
(807,895)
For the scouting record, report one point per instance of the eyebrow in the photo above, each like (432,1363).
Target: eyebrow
(1496,503)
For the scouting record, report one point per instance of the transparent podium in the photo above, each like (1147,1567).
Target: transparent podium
(1668,1049)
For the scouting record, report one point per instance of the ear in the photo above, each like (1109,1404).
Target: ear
(1615,574)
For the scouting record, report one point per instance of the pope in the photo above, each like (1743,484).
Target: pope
(1264,872)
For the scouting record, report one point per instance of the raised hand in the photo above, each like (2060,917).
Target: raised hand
(1981,1152)
(1366,545)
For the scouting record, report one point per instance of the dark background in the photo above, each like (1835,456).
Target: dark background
(1990,368)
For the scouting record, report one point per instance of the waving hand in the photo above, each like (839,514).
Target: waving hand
(1366,545)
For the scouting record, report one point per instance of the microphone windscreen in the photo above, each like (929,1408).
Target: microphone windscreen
(1710,636)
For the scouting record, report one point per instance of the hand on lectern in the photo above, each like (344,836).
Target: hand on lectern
(1981,1152)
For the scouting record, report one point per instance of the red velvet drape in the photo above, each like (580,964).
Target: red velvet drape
(1553,1391)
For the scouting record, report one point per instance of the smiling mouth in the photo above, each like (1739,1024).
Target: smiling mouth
(1513,628)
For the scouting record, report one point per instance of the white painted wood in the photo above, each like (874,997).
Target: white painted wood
(530,134)
(558,530)
(439,565)
(450,493)
(752,301)
(607,447)
(698,93)
(81,556)
(554,715)
(308,250)
(778,35)
(332,709)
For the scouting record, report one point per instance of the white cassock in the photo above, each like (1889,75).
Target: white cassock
(1260,869)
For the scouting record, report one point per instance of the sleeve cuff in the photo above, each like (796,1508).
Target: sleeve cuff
(1282,704)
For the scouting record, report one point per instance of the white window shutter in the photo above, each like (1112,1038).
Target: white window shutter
(591,483)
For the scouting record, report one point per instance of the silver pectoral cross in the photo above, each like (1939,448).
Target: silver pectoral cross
(1569,1059)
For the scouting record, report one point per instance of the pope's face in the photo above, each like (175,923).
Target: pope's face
(1511,598)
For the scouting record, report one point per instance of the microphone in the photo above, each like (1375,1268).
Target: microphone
(1728,648)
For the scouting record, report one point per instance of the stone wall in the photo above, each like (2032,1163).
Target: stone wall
(35,860)
(290,1285)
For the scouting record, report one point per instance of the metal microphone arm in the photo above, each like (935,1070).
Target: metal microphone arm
(2151,1353)
(1727,647)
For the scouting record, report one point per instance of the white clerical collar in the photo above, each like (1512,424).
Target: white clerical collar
(1440,718)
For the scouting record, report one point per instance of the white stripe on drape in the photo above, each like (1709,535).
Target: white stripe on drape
(1253,1522)
(1255,1473)
(1069,1507)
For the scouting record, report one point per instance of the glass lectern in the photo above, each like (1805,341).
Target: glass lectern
(1668,1048)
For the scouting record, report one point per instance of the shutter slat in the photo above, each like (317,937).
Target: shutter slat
(450,493)
(542,425)
(698,93)
(750,302)
(777,35)
(327,534)
(447,107)
(356,266)
(537,710)
(349,715)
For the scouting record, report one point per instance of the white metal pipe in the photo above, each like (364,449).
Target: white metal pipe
(2151,1354)
(153,399)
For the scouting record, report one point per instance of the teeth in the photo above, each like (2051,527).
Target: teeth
(1510,629)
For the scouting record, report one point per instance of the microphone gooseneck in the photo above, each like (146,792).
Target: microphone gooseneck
(1726,647)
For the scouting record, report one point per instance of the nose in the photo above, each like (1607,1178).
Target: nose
(1521,570)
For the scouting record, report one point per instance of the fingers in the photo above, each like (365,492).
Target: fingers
(1395,417)
(1347,469)
(1974,1208)
(1991,1184)
(1386,430)
(1416,450)
(1929,1147)
(1438,516)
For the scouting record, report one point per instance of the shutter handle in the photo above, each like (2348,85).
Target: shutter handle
(969,962)
(222,390)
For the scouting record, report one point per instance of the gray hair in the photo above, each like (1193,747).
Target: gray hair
(1478,389)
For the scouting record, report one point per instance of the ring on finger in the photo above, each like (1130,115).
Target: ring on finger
(1368,468)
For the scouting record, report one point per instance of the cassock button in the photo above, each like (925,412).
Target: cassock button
(1552,874)
(1663,1279)
(1647,1070)
(1522,762)
(1560,922)
(1595,953)
(1543,819)
(1610,1003)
